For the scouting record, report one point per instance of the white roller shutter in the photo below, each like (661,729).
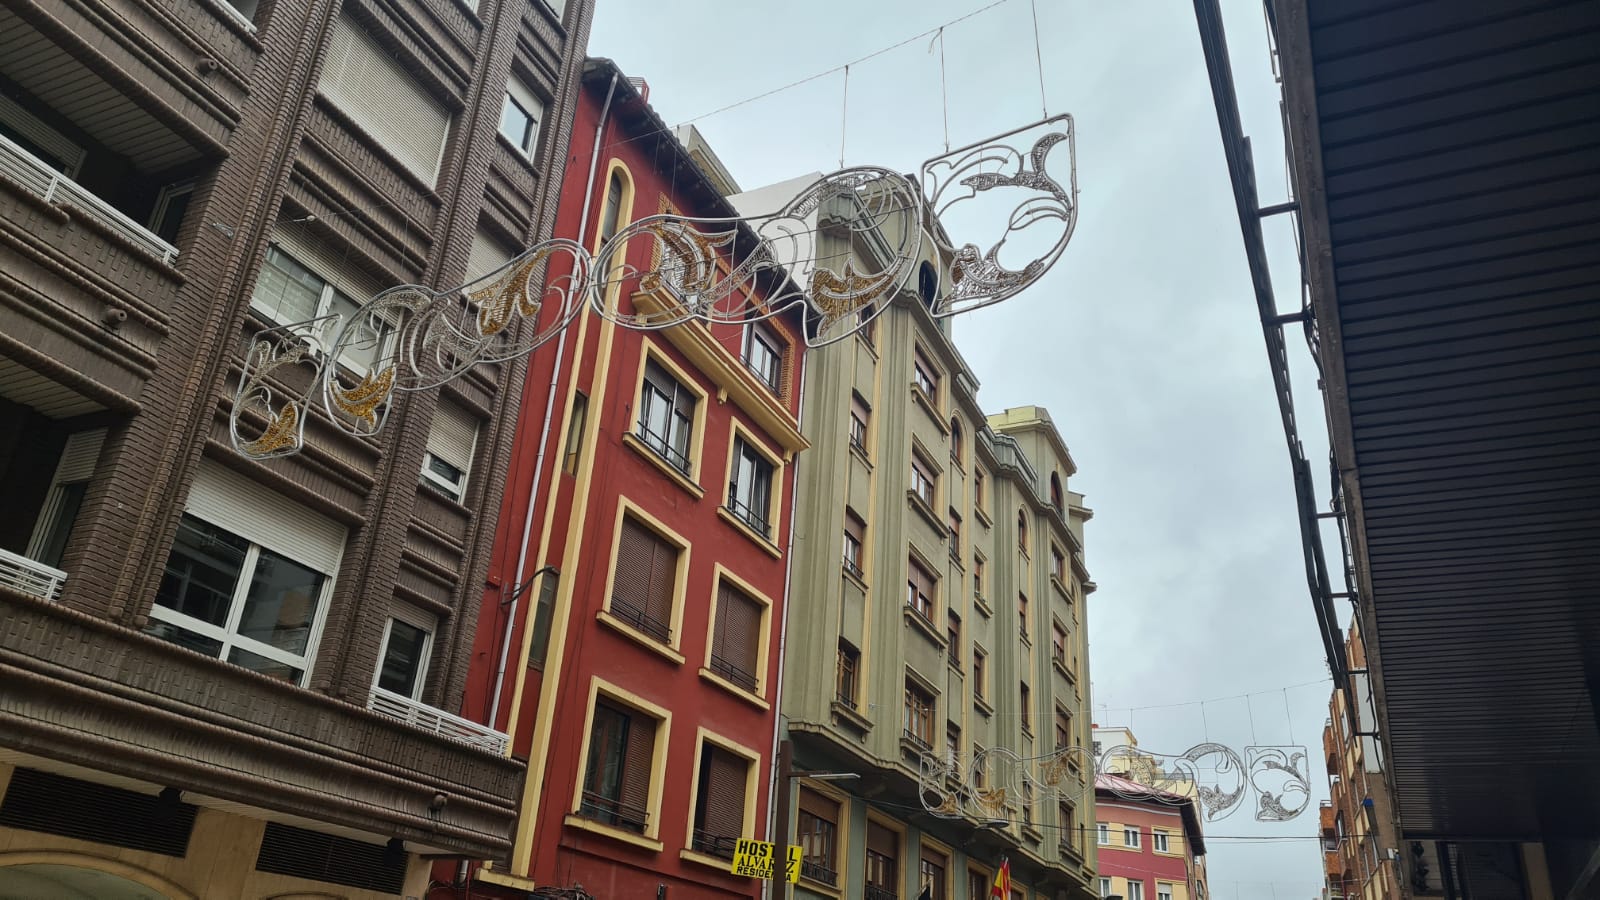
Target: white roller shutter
(453,435)
(258,514)
(79,456)
(370,87)
(488,254)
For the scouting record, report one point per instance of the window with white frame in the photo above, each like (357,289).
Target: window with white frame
(1163,891)
(750,487)
(666,416)
(403,661)
(1135,890)
(1130,836)
(1159,839)
(300,281)
(763,354)
(452,440)
(1105,887)
(1104,834)
(520,117)
(249,576)
(379,94)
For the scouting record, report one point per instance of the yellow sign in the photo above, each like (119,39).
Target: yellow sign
(758,859)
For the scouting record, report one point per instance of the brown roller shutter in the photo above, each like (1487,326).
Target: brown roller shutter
(663,572)
(647,567)
(882,841)
(723,793)
(637,755)
(735,643)
(819,806)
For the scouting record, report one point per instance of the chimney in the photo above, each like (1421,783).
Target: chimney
(642,86)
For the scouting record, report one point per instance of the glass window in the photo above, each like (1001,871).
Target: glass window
(519,118)
(736,637)
(930,874)
(750,487)
(1159,840)
(1135,890)
(616,780)
(1058,643)
(1163,892)
(854,534)
(980,666)
(817,833)
(955,440)
(1058,564)
(860,415)
(1105,883)
(288,292)
(452,442)
(883,863)
(763,354)
(645,582)
(1022,615)
(405,659)
(924,376)
(921,588)
(1103,833)
(923,484)
(1130,836)
(226,597)
(1025,702)
(953,639)
(919,714)
(666,416)
(611,214)
(719,801)
(849,664)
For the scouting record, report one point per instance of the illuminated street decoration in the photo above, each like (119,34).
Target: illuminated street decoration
(1212,776)
(988,220)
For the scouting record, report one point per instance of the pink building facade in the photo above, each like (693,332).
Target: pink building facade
(1150,845)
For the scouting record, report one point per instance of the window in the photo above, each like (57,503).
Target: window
(171,206)
(1027,804)
(1055,493)
(1158,839)
(925,377)
(452,439)
(883,863)
(930,873)
(1058,564)
(919,715)
(68,486)
(952,635)
(817,833)
(736,637)
(977,576)
(750,487)
(1067,818)
(980,776)
(952,740)
(378,93)
(849,664)
(955,534)
(1022,532)
(978,885)
(860,415)
(542,613)
(248,577)
(854,533)
(1058,643)
(955,440)
(1026,701)
(1063,729)
(666,416)
(1105,883)
(719,800)
(980,668)
(763,354)
(1103,834)
(520,116)
(920,589)
(489,254)
(923,483)
(1130,836)
(616,781)
(646,579)
(403,666)
(611,213)
(1135,890)
(1163,891)
(1022,615)
(577,420)
(289,291)
(977,490)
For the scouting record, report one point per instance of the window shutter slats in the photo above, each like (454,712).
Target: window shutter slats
(379,95)
(724,796)
(638,753)
(819,806)
(244,507)
(738,631)
(453,435)
(663,569)
(634,549)
(882,841)
(488,254)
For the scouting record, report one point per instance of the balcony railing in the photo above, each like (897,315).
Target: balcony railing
(714,844)
(640,619)
(28,576)
(733,672)
(873,892)
(615,813)
(51,186)
(437,721)
(819,873)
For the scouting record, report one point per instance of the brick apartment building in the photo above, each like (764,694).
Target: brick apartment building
(219,677)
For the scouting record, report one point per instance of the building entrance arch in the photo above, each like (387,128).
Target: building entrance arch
(78,876)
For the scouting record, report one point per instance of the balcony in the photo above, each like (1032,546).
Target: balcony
(437,721)
(22,574)
(52,187)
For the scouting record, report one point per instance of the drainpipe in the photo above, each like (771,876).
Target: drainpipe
(544,430)
(779,780)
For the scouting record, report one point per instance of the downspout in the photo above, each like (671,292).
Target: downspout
(774,826)
(544,430)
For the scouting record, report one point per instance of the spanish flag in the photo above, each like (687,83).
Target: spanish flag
(1002,882)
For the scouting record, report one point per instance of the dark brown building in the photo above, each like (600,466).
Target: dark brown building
(220,677)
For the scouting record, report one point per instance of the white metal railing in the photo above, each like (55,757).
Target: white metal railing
(30,577)
(421,715)
(51,186)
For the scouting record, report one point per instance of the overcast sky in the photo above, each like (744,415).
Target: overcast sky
(1143,341)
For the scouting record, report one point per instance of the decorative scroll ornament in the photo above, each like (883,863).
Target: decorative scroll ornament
(981,225)
(1213,777)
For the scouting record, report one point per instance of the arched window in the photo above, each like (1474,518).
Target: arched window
(1055,492)
(613,209)
(1022,531)
(955,439)
(927,284)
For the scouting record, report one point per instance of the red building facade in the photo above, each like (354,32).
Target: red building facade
(629,634)
(1150,843)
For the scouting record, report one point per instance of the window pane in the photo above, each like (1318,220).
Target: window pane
(286,290)
(403,659)
(269,667)
(202,572)
(282,603)
(184,638)
(515,123)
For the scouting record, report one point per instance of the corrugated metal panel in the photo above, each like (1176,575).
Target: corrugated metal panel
(1461,153)
(234,502)
(365,82)
(20,384)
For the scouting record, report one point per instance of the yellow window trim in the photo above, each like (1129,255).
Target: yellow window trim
(725,369)
(752,777)
(949,854)
(626,507)
(600,688)
(841,832)
(651,351)
(721,573)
